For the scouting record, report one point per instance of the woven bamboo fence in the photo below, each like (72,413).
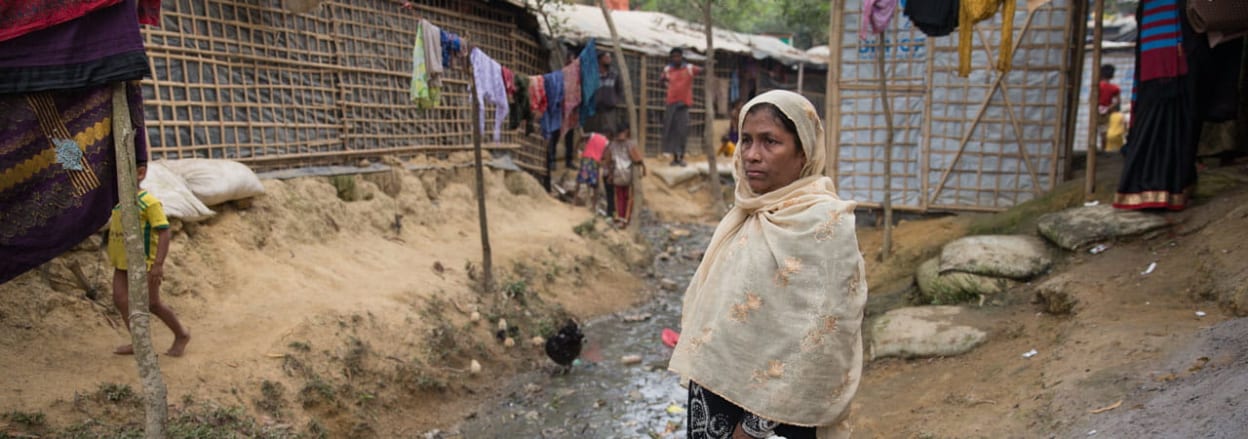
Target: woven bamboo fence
(983,143)
(250,81)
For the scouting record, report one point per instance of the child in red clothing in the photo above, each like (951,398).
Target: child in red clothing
(626,165)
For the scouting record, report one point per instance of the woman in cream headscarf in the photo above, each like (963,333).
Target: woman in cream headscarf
(772,320)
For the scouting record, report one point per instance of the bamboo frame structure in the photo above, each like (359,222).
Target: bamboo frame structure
(253,82)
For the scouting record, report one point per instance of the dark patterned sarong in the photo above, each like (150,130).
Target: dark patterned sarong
(101,47)
(58,181)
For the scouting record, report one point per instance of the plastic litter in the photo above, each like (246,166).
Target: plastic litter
(1092,203)
(1031,353)
(1149,270)
(1100,248)
(629,360)
(1092,433)
(670,337)
(1200,314)
(675,409)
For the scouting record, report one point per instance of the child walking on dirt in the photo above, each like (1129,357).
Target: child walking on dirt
(156,246)
(591,159)
(625,163)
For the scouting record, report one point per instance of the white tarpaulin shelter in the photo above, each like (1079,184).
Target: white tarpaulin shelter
(982,143)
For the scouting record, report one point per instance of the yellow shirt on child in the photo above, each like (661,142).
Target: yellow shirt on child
(152,215)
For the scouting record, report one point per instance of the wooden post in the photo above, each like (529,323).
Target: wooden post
(1094,98)
(888,149)
(832,103)
(154,392)
(801,76)
(487,262)
(708,136)
(637,200)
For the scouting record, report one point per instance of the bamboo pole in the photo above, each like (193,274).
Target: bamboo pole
(487,259)
(708,135)
(154,391)
(801,76)
(636,201)
(832,102)
(1094,98)
(888,150)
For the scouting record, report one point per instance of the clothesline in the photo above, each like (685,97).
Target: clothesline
(562,98)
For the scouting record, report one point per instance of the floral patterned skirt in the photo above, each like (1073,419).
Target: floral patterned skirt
(713,417)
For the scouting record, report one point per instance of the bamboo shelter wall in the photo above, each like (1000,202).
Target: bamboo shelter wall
(958,143)
(253,82)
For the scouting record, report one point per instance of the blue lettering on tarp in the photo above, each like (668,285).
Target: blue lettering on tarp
(905,48)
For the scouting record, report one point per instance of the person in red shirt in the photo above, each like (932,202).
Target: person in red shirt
(678,77)
(1108,102)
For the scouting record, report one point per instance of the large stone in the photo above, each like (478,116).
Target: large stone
(1073,228)
(1055,296)
(927,331)
(956,287)
(1010,256)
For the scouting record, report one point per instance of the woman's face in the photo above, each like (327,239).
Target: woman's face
(769,151)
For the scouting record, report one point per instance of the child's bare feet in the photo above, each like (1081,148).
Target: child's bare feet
(124,350)
(179,346)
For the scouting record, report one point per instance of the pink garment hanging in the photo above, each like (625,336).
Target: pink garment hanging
(876,14)
(571,96)
(537,96)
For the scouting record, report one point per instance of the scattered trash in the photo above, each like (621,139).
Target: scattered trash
(629,360)
(576,362)
(634,395)
(1092,433)
(1200,314)
(635,318)
(1092,203)
(532,415)
(670,337)
(532,388)
(1106,408)
(537,341)
(474,368)
(1030,353)
(509,342)
(675,409)
(1149,270)
(1100,248)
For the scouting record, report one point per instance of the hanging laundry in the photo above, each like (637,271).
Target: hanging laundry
(571,96)
(734,87)
(589,78)
(552,121)
(427,66)
(51,204)
(149,12)
(537,95)
(452,46)
(521,108)
(876,14)
(99,48)
(509,81)
(935,18)
(975,11)
(488,77)
(23,17)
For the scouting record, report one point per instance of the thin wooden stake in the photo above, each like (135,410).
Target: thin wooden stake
(708,137)
(832,102)
(636,201)
(154,392)
(1094,99)
(487,259)
(888,150)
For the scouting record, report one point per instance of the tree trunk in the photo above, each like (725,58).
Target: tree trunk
(487,258)
(708,132)
(888,151)
(154,392)
(633,115)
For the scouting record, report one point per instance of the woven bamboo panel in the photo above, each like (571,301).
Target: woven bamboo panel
(250,81)
(959,143)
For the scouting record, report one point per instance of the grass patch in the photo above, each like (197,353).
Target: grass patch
(317,392)
(116,393)
(272,398)
(26,419)
(300,346)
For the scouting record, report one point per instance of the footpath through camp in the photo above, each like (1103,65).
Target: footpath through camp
(315,316)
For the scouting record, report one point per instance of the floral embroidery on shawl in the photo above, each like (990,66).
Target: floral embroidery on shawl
(791,267)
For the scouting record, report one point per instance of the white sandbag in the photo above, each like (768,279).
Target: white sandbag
(217,181)
(675,175)
(173,194)
(724,165)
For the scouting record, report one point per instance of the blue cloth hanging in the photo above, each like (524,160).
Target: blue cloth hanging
(589,79)
(552,120)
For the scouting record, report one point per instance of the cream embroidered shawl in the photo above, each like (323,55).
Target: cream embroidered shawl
(772,319)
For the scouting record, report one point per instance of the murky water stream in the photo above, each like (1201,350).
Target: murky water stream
(606,398)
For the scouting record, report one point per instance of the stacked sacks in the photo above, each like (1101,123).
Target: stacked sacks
(980,266)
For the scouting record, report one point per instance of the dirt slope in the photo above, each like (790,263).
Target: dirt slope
(319,315)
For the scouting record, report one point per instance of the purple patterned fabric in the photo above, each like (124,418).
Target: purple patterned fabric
(875,17)
(43,212)
(102,47)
